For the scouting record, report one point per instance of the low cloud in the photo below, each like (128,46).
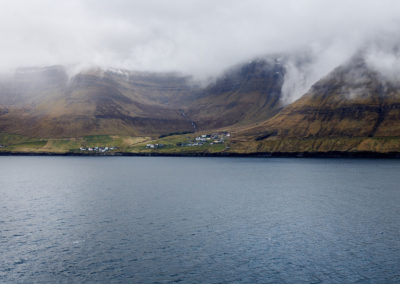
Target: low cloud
(306,67)
(383,56)
(198,37)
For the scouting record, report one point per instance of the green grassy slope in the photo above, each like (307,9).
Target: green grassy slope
(352,109)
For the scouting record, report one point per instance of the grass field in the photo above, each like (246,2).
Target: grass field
(18,143)
(171,144)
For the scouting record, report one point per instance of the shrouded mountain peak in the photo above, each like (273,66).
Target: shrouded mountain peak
(46,102)
(246,93)
(354,100)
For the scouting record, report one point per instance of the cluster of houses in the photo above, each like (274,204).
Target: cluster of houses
(97,149)
(154,146)
(1,146)
(215,138)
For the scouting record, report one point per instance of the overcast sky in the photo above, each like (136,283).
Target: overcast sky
(197,37)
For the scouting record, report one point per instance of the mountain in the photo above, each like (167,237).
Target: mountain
(245,94)
(47,102)
(353,108)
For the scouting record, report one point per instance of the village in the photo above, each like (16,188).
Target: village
(97,149)
(211,139)
(214,138)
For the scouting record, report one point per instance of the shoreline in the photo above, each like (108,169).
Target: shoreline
(331,154)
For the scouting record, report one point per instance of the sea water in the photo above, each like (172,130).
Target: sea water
(199,220)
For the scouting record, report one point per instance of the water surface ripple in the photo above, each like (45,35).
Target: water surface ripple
(199,220)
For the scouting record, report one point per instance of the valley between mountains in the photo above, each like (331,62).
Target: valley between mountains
(352,110)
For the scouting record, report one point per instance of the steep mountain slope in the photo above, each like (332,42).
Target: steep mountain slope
(44,102)
(350,104)
(245,94)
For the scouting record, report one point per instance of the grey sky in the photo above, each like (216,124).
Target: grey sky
(197,37)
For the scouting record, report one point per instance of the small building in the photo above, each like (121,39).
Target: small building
(154,146)
(150,146)
(201,139)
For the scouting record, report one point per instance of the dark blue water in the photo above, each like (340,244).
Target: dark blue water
(199,220)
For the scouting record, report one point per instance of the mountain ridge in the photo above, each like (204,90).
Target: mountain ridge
(353,108)
(99,101)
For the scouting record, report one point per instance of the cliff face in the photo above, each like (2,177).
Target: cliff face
(247,93)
